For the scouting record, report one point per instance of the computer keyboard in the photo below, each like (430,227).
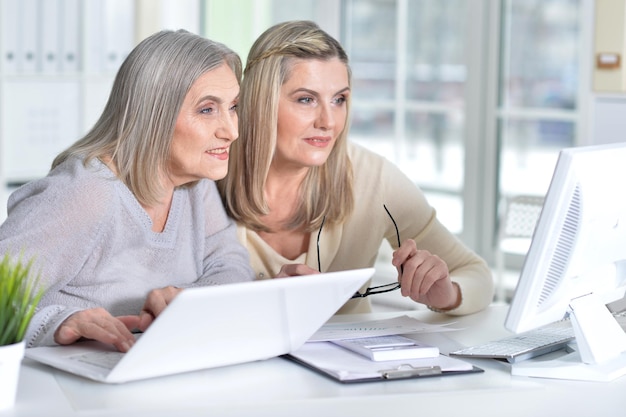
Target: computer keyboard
(523,346)
(527,345)
(620,317)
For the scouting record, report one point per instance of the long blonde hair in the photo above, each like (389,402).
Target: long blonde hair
(137,124)
(327,190)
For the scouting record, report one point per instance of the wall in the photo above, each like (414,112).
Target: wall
(607,110)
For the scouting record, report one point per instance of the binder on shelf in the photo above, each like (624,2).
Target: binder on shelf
(345,366)
(9,35)
(49,36)
(119,32)
(69,48)
(109,34)
(93,36)
(28,56)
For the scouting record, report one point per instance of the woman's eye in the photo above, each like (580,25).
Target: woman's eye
(305,100)
(207,110)
(340,100)
(234,107)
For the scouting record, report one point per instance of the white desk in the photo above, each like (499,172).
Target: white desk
(277,387)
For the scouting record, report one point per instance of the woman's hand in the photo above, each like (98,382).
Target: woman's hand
(291,270)
(98,324)
(425,277)
(155,303)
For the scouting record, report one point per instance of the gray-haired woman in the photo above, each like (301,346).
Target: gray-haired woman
(130,214)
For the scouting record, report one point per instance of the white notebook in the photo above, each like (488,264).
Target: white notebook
(216,326)
(387,348)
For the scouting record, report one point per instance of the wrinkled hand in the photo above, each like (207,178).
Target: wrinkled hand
(155,303)
(98,324)
(424,277)
(291,270)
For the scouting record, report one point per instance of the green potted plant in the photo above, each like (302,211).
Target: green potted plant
(19,297)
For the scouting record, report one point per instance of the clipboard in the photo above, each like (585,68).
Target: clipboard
(347,367)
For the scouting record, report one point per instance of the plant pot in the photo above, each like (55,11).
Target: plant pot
(10,360)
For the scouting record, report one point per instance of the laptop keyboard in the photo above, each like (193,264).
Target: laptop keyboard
(529,344)
(106,360)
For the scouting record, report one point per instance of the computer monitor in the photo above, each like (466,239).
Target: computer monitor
(576,264)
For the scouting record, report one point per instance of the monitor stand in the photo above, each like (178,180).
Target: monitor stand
(564,365)
(599,353)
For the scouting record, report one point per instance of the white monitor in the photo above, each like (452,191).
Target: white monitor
(576,264)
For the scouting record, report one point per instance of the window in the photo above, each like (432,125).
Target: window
(538,96)
(472,99)
(409,91)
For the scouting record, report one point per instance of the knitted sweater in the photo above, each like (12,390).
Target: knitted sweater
(93,245)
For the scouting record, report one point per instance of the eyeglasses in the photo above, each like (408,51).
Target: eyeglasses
(379,289)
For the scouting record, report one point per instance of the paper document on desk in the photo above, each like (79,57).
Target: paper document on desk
(345,366)
(370,328)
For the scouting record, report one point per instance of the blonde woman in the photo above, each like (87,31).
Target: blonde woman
(130,214)
(306,199)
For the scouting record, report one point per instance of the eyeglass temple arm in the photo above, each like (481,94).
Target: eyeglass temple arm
(397,232)
(319,262)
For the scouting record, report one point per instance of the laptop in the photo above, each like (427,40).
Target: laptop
(216,326)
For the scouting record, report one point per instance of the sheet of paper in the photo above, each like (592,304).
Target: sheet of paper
(346,365)
(395,325)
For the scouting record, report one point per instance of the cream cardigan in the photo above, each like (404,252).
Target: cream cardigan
(355,243)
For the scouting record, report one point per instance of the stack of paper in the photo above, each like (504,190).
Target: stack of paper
(324,355)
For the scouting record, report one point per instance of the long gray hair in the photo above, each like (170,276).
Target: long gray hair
(137,124)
